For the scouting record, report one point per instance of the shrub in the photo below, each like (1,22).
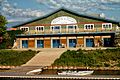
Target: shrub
(16,58)
(106,64)
(93,58)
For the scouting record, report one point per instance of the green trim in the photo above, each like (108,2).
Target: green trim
(69,11)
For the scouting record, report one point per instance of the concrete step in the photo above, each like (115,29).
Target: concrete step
(45,57)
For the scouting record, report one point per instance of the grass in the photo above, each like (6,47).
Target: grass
(91,58)
(15,58)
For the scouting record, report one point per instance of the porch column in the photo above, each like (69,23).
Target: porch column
(51,42)
(20,44)
(67,42)
(84,39)
(35,43)
(76,42)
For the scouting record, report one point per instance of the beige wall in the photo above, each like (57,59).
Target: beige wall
(81,41)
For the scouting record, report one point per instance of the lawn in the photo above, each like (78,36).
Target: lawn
(15,58)
(91,58)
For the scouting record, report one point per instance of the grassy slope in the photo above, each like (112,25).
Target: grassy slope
(96,58)
(16,58)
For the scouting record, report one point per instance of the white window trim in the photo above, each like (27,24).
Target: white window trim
(24,27)
(39,30)
(88,24)
(53,28)
(73,28)
(107,24)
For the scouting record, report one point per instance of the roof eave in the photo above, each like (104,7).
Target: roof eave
(69,11)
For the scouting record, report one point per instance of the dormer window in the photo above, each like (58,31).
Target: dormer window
(107,26)
(89,27)
(24,29)
(39,28)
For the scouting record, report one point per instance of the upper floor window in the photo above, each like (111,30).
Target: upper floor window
(39,28)
(89,27)
(56,29)
(24,28)
(71,28)
(107,26)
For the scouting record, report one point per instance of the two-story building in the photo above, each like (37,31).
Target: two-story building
(67,29)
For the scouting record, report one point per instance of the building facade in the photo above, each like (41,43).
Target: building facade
(64,28)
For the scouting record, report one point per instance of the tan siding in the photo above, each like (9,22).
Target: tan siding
(31,43)
(47,43)
(80,41)
(17,43)
(64,42)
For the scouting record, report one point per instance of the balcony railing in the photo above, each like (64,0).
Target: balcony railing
(65,31)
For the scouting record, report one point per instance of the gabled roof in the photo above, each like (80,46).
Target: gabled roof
(71,12)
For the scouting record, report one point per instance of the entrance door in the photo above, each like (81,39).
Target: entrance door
(56,43)
(89,42)
(107,42)
(24,43)
(40,44)
(72,42)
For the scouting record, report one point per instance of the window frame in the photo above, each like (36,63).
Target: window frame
(67,28)
(39,30)
(54,30)
(24,27)
(89,25)
(110,27)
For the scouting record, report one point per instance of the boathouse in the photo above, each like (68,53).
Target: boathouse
(65,28)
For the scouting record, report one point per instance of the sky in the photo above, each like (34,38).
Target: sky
(19,11)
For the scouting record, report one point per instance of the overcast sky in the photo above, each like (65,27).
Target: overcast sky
(24,10)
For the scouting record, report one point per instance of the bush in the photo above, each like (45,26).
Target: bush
(15,58)
(106,64)
(93,58)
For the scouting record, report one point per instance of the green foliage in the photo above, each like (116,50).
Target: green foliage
(5,41)
(2,25)
(15,58)
(12,35)
(3,32)
(92,58)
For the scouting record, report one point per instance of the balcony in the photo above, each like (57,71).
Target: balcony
(66,31)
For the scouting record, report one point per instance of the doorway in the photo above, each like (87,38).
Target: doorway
(89,42)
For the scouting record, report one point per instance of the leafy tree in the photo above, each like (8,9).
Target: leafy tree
(12,35)
(2,25)
(8,37)
(3,32)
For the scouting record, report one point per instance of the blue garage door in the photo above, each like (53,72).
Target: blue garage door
(56,43)
(72,42)
(24,43)
(40,44)
(89,42)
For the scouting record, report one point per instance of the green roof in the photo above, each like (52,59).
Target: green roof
(72,12)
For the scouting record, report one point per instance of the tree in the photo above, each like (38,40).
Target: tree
(3,33)
(3,22)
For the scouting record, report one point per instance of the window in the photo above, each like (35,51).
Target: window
(39,28)
(56,29)
(107,26)
(24,28)
(71,28)
(89,27)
